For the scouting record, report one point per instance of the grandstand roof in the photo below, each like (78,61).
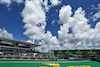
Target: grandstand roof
(16,41)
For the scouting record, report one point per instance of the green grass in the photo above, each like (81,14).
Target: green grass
(40,64)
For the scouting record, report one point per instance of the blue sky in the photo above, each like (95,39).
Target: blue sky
(50,20)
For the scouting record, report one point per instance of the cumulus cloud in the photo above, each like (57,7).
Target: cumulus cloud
(97,37)
(49,42)
(4,33)
(65,14)
(43,48)
(49,39)
(8,2)
(47,7)
(34,17)
(82,35)
(55,2)
(46,48)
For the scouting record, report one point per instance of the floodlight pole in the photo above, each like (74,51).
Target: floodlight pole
(83,44)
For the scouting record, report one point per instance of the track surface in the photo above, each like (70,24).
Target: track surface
(49,64)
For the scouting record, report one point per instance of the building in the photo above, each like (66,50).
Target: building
(14,48)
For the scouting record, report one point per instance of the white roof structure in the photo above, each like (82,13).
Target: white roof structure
(19,42)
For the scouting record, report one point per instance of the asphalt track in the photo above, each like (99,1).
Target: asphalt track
(49,64)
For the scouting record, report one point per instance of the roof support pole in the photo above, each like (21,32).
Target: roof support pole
(34,48)
(3,52)
(14,45)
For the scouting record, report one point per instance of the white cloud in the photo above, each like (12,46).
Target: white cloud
(30,41)
(82,35)
(98,6)
(4,33)
(96,16)
(55,2)
(8,2)
(46,48)
(49,39)
(97,37)
(34,19)
(65,14)
(18,1)
(93,7)
(43,48)
(47,7)
(68,46)
(98,45)
(53,22)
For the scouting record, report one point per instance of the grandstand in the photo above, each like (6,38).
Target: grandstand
(19,49)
